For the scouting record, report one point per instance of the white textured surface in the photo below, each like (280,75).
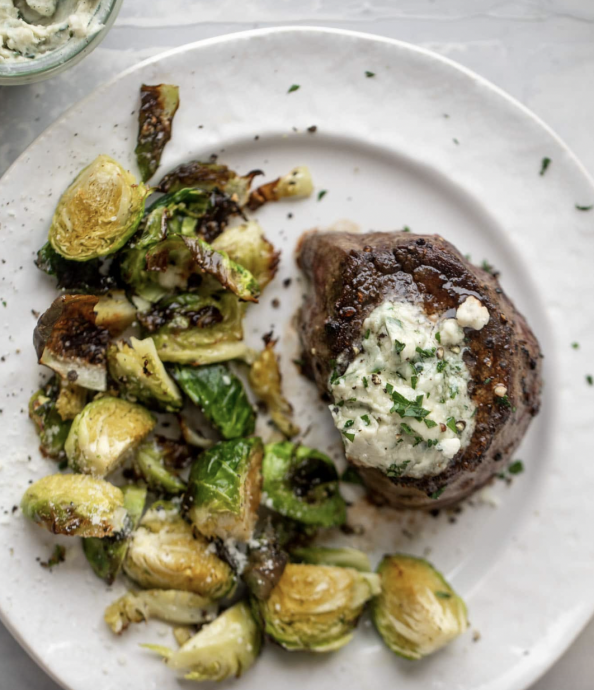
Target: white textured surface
(541,52)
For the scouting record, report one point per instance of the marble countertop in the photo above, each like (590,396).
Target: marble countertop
(540,51)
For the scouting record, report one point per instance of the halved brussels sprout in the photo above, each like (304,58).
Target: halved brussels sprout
(75,505)
(141,375)
(302,483)
(297,183)
(168,605)
(224,489)
(98,213)
(316,607)
(87,277)
(190,329)
(343,558)
(71,400)
(266,382)
(68,341)
(417,611)
(158,105)
(247,246)
(208,177)
(164,553)
(106,556)
(265,564)
(223,649)
(103,433)
(221,397)
(150,461)
(51,427)
(232,276)
(114,312)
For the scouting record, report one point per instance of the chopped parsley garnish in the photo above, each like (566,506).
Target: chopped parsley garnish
(348,424)
(397,469)
(589,379)
(443,595)
(322,193)
(367,334)
(489,268)
(503,401)
(584,208)
(376,370)
(298,362)
(408,408)
(389,388)
(437,494)
(432,442)
(451,424)
(455,141)
(429,423)
(425,354)
(365,418)
(438,337)
(340,403)
(294,87)
(369,74)
(575,346)
(453,392)
(407,429)
(350,436)
(413,382)
(406,229)
(441,365)
(351,476)
(365,382)
(516,467)
(399,346)
(544,165)
(487,381)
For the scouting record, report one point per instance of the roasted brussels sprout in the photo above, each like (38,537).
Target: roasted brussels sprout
(168,605)
(71,400)
(103,433)
(224,489)
(68,341)
(165,554)
(247,246)
(265,565)
(158,105)
(417,611)
(114,312)
(150,462)
(344,558)
(51,427)
(297,183)
(141,375)
(98,213)
(223,649)
(302,483)
(106,556)
(266,382)
(316,607)
(208,177)
(232,276)
(190,329)
(75,505)
(221,396)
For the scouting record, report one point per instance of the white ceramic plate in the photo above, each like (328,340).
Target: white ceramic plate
(423,143)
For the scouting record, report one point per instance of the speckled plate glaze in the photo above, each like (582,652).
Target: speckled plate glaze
(423,143)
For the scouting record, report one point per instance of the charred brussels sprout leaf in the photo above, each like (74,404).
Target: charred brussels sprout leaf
(224,489)
(208,177)
(107,555)
(103,433)
(225,648)
(68,341)
(266,382)
(165,554)
(265,565)
(168,605)
(221,396)
(141,376)
(158,105)
(98,213)
(316,607)
(302,484)
(150,461)
(297,183)
(417,611)
(230,275)
(75,505)
(52,429)
(247,246)
(342,558)
(191,329)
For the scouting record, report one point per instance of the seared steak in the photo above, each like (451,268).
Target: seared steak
(352,274)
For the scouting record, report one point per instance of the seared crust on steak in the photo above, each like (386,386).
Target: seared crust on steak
(351,274)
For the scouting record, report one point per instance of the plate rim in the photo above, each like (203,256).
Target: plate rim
(536,670)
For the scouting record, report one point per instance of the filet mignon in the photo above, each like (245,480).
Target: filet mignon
(351,274)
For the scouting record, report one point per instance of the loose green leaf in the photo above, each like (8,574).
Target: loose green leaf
(544,165)
(158,105)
